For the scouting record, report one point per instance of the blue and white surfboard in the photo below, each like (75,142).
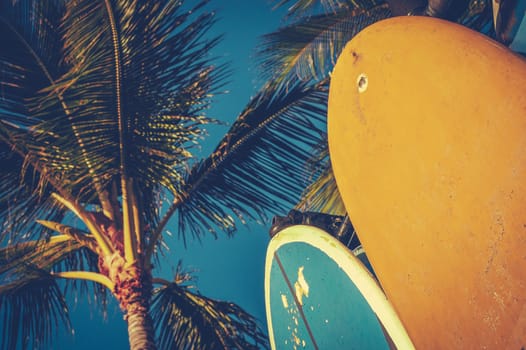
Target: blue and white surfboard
(320,296)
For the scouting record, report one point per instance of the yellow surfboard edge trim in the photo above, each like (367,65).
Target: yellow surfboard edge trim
(352,267)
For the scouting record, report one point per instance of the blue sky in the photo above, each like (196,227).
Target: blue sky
(227,269)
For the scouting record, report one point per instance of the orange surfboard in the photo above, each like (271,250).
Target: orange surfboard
(427,138)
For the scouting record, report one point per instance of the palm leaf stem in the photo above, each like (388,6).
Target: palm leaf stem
(87,276)
(82,214)
(128,221)
(130,253)
(158,280)
(160,227)
(59,239)
(137,222)
(70,233)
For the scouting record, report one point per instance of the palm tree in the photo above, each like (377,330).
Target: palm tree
(101,104)
(306,48)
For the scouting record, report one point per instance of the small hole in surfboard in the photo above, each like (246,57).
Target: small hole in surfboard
(362,82)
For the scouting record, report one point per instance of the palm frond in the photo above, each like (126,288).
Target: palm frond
(29,64)
(188,320)
(139,81)
(31,310)
(322,194)
(305,8)
(259,166)
(28,267)
(31,56)
(23,199)
(59,253)
(308,49)
(42,254)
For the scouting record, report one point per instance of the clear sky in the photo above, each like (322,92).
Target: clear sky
(227,269)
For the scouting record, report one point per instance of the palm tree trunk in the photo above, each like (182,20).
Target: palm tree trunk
(133,286)
(140,327)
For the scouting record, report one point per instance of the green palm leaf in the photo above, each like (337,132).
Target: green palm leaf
(32,304)
(305,8)
(31,309)
(32,59)
(188,320)
(23,199)
(259,166)
(55,255)
(309,47)
(41,254)
(322,194)
(147,79)
(26,67)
